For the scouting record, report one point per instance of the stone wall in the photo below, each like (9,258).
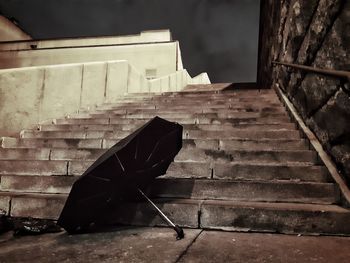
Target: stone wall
(313,33)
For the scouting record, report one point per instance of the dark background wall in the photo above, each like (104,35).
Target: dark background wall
(217,36)
(313,33)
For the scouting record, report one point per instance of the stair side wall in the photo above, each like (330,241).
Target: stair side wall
(34,94)
(161,58)
(10,32)
(31,95)
(312,33)
(151,36)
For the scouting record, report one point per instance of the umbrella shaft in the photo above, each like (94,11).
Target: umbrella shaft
(159,211)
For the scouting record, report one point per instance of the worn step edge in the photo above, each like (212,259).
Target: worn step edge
(263,191)
(208,214)
(187,134)
(275,217)
(9,142)
(130,127)
(187,153)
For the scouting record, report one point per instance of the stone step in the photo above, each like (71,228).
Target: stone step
(246,112)
(151,106)
(187,153)
(207,89)
(204,104)
(157,109)
(24,154)
(189,115)
(134,126)
(300,192)
(277,191)
(203,101)
(237,144)
(233,170)
(198,95)
(8,142)
(263,144)
(59,184)
(219,170)
(213,144)
(30,167)
(278,217)
(201,120)
(196,110)
(191,153)
(187,134)
(203,94)
(242,134)
(270,171)
(275,217)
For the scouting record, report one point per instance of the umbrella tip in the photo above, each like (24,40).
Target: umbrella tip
(180,232)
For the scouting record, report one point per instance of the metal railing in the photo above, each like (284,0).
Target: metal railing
(325,71)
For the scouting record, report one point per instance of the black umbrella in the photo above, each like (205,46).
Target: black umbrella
(120,174)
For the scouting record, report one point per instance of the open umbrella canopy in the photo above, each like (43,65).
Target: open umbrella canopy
(117,175)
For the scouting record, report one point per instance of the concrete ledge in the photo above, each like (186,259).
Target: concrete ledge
(275,217)
(325,158)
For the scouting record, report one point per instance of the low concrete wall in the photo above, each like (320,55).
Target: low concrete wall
(10,32)
(144,37)
(171,83)
(32,95)
(158,58)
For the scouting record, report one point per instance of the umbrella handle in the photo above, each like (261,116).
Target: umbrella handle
(179,231)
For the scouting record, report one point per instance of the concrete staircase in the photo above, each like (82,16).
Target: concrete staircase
(243,166)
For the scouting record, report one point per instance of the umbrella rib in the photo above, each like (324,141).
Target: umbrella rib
(121,165)
(178,229)
(100,178)
(158,142)
(137,148)
(150,155)
(156,207)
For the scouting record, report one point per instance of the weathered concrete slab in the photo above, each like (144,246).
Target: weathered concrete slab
(278,171)
(190,153)
(201,144)
(184,212)
(41,167)
(278,191)
(176,169)
(188,134)
(47,206)
(242,134)
(275,217)
(131,127)
(50,143)
(214,246)
(263,144)
(82,121)
(37,183)
(24,154)
(134,244)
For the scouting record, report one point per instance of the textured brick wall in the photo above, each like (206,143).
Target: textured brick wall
(314,33)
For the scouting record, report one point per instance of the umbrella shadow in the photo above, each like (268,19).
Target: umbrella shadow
(172,201)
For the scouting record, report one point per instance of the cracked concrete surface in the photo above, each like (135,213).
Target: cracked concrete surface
(160,245)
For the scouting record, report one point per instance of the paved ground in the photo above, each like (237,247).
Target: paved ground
(160,245)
